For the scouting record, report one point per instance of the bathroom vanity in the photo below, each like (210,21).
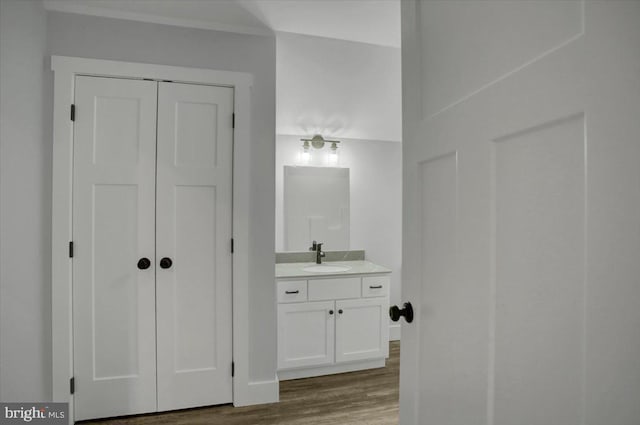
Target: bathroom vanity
(332,318)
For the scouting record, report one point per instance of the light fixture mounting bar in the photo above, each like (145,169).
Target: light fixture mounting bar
(317,141)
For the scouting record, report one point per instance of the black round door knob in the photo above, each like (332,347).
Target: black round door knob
(144,263)
(340,311)
(395,313)
(166,262)
(330,312)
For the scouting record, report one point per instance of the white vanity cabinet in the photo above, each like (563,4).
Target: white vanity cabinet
(332,325)
(362,330)
(306,334)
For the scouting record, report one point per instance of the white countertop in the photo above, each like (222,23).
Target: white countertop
(286,270)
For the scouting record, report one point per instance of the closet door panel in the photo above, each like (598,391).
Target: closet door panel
(113,227)
(194,216)
(195,224)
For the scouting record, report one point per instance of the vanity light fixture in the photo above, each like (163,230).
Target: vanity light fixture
(332,158)
(305,155)
(317,142)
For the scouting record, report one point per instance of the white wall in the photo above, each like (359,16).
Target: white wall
(338,88)
(25,204)
(28,37)
(375,169)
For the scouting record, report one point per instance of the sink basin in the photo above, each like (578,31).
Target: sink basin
(326,268)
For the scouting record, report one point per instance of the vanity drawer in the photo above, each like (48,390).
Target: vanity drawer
(375,286)
(334,289)
(291,291)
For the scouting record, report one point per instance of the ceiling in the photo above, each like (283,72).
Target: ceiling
(365,21)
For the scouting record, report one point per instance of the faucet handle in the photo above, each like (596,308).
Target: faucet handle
(314,246)
(319,246)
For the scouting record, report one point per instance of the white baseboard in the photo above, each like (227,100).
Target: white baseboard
(287,374)
(261,392)
(394,332)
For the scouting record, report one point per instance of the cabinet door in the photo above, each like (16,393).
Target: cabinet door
(114,325)
(362,331)
(194,172)
(306,334)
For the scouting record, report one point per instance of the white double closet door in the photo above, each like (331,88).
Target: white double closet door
(152,180)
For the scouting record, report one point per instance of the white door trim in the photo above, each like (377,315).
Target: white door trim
(65,70)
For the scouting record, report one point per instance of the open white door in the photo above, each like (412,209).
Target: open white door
(521,212)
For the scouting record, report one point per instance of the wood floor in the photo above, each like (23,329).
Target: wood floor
(357,398)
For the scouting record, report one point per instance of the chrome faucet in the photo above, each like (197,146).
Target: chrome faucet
(317,247)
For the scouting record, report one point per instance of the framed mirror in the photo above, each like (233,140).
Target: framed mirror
(316,207)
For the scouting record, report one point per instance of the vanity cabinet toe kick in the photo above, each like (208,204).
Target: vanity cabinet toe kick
(332,324)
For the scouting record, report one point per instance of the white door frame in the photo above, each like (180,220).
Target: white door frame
(65,70)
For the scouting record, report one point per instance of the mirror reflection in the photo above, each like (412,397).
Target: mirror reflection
(316,207)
